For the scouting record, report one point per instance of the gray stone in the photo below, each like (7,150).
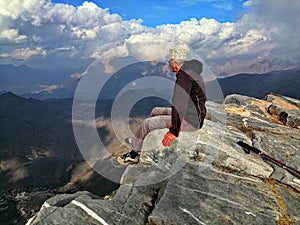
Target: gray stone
(291,203)
(287,109)
(204,177)
(214,197)
(237,99)
(271,97)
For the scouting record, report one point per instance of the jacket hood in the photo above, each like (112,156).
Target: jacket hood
(194,65)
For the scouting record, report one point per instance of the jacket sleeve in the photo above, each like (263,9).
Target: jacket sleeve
(181,97)
(202,101)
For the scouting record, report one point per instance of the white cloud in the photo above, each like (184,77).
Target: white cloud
(279,20)
(77,75)
(12,35)
(248,3)
(244,45)
(223,5)
(29,10)
(88,31)
(24,53)
(49,88)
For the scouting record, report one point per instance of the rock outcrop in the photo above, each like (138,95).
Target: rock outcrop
(204,177)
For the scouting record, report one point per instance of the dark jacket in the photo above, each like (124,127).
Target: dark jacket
(189,97)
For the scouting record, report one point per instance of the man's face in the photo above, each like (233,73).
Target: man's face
(173,66)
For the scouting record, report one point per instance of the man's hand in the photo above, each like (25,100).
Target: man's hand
(168,139)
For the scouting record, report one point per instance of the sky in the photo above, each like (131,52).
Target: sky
(73,33)
(158,12)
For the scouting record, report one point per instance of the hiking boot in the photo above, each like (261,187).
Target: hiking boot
(128,158)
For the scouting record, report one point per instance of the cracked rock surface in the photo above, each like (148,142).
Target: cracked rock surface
(204,177)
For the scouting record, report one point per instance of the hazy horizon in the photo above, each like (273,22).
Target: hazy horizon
(65,34)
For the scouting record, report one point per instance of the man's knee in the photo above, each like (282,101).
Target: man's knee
(146,124)
(153,123)
(155,111)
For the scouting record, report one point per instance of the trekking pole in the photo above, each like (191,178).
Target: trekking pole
(248,148)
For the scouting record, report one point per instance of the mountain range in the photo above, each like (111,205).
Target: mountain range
(31,83)
(285,82)
(24,80)
(248,65)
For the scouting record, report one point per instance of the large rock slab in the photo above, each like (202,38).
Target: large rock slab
(204,177)
(266,131)
(286,109)
(214,197)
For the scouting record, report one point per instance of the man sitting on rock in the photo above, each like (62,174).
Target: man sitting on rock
(186,114)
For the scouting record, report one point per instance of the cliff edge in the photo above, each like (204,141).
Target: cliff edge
(204,177)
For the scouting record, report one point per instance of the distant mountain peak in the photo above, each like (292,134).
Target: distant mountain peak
(10,94)
(9,98)
(251,65)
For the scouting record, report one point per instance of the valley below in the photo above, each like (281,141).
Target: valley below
(39,155)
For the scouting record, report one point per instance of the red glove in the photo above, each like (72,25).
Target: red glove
(168,139)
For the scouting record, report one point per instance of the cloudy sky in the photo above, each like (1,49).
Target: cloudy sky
(58,33)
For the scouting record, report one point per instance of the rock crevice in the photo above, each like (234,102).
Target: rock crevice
(204,177)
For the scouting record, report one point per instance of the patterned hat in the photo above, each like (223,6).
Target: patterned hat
(179,54)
